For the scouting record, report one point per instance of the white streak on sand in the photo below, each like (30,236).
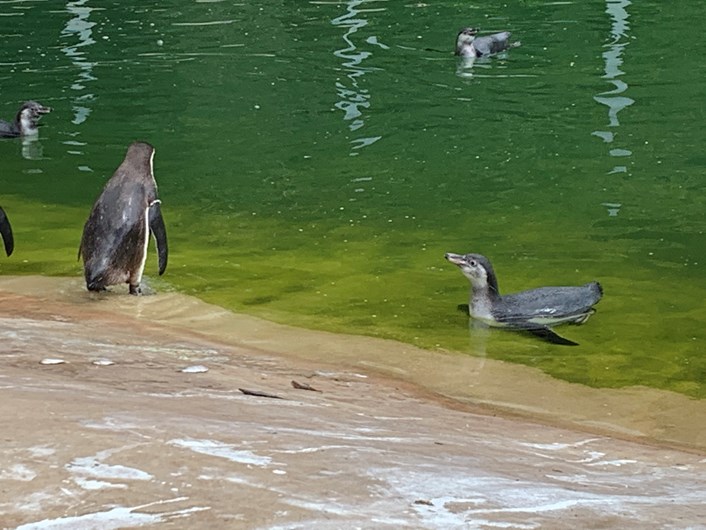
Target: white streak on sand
(17,472)
(616,463)
(221,450)
(111,520)
(93,466)
(89,484)
(41,451)
(559,446)
(115,518)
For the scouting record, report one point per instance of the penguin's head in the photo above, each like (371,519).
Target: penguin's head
(29,115)
(476,268)
(464,39)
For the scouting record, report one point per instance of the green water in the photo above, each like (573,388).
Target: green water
(317,159)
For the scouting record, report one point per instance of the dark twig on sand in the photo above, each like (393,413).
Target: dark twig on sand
(304,386)
(259,393)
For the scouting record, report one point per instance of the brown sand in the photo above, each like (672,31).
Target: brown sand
(142,444)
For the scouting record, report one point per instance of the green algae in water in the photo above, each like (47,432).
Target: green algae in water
(363,282)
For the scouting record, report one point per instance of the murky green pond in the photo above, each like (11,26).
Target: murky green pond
(317,159)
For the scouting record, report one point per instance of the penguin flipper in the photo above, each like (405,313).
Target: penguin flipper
(550,335)
(544,333)
(159,231)
(6,232)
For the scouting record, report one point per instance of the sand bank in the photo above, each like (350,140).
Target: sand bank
(140,443)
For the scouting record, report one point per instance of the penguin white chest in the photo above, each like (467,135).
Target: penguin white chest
(27,125)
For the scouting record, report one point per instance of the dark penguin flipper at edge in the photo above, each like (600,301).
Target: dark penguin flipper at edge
(549,335)
(6,232)
(159,232)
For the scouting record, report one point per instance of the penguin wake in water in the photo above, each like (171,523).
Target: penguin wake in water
(26,122)
(469,45)
(534,310)
(6,233)
(116,234)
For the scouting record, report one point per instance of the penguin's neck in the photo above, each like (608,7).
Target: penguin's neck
(466,49)
(26,126)
(482,300)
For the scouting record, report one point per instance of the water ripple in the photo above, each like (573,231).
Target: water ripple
(211,23)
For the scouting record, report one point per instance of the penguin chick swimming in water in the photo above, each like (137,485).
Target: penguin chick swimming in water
(469,45)
(534,310)
(6,233)
(116,234)
(26,121)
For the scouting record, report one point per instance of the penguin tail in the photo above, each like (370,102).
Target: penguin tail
(600,288)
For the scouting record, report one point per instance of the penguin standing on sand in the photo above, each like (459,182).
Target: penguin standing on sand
(6,233)
(116,234)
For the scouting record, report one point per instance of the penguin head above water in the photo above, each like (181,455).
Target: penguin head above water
(27,119)
(477,269)
(464,42)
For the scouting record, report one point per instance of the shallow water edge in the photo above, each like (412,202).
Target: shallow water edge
(644,414)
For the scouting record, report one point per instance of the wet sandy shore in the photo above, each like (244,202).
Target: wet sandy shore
(140,443)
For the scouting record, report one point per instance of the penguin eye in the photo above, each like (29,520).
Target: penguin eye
(473,263)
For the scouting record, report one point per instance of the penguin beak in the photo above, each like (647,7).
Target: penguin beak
(43,110)
(456,259)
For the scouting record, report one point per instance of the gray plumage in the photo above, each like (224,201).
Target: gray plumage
(26,122)
(468,44)
(115,236)
(555,304)
(533,310)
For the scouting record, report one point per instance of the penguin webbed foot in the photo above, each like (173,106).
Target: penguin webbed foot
(141,290)
(464,308)
(583,318)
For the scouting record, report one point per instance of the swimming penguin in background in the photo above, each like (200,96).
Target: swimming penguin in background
(6,233)
(468,45)
(534,310)
(116,234)
(26,121)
